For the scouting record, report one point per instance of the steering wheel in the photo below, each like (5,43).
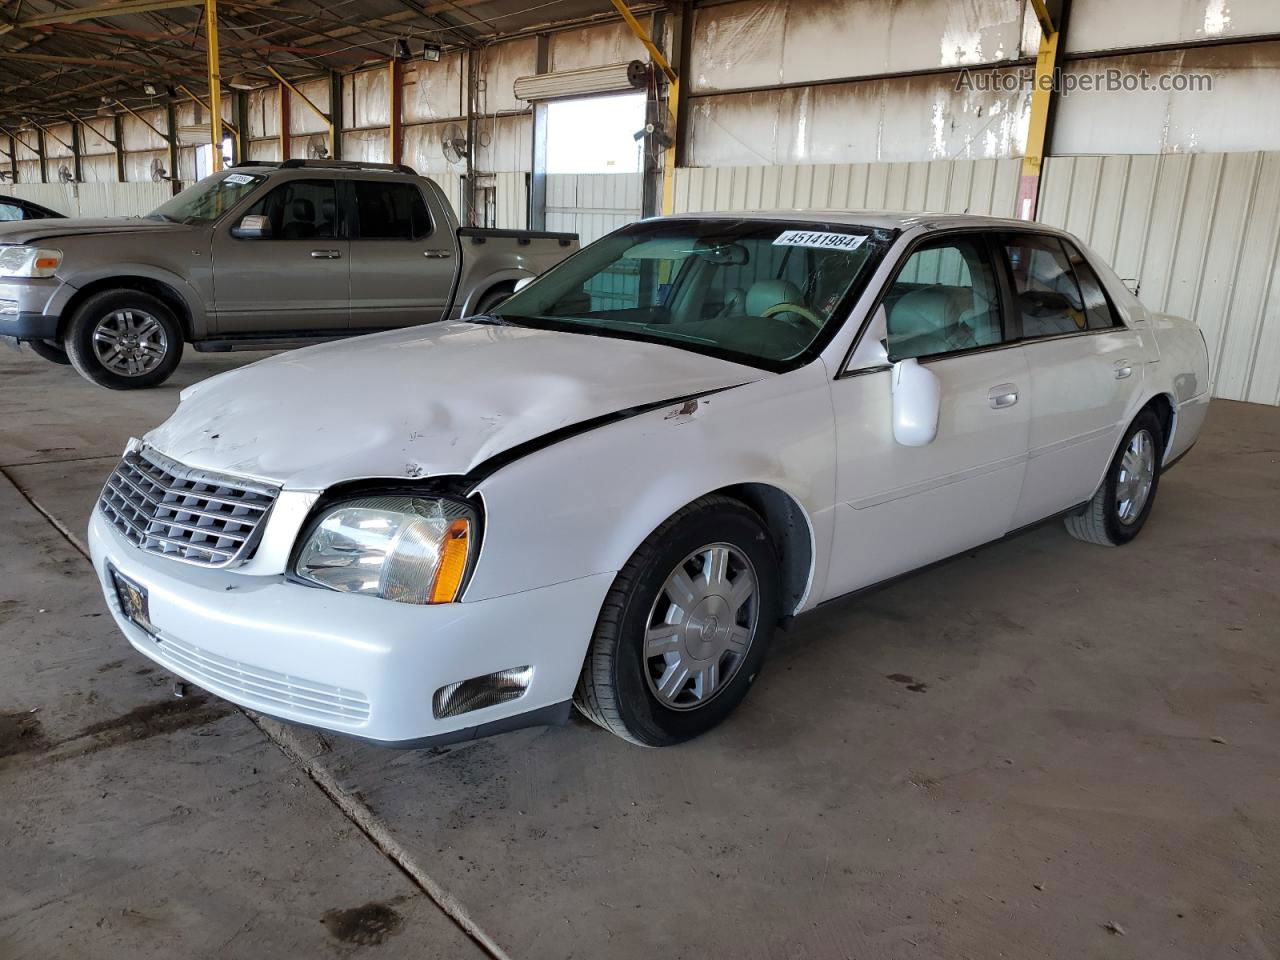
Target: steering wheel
(805,312)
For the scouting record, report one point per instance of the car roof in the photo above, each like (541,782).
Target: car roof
(886,219)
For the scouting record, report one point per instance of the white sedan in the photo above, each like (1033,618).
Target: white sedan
(607,492)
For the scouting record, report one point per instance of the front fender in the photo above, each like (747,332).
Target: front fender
(582,506)
(73,284)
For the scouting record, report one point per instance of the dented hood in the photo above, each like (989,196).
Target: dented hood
(428,401)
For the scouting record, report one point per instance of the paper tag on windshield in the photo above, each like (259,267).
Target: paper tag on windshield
(821,239)
(239,178)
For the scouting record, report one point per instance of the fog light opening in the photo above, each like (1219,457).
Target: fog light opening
(478,692)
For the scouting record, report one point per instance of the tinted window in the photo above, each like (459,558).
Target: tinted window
(300,210)
(1046,294)
(391,211)
(944,299)
(1096,306)
(10,211)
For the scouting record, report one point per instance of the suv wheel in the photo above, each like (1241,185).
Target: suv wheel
(124,340)
(685,627)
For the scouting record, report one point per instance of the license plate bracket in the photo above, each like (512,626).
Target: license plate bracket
(133,601)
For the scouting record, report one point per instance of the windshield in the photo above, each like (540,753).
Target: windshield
(762,292)
(209,199)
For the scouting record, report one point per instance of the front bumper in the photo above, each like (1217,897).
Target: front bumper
(25,309)
(354,665)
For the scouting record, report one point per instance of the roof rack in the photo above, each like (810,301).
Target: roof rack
(331,165)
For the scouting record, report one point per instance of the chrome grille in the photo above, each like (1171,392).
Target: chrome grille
(173,510)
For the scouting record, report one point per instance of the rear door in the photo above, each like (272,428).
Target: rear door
(1086,367)
(402,261)
(295,280)
(899,508)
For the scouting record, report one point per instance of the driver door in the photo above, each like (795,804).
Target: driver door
(297,279)
(898,507)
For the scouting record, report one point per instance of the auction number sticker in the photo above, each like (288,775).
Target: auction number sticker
(820,239)
(239,178)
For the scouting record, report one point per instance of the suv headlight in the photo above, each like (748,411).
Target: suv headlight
(29,261)
(404,548)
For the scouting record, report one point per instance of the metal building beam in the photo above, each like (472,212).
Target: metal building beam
(673,104)
(286,85)
(1042,106)
(395,104)
(215,82)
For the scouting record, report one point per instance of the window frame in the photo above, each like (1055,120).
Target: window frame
(272,185)
(352,208)
(1067,246)
(985,237)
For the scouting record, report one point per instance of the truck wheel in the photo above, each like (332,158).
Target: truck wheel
(49,350)
(124,340)
(1122,504)
(491,299)
(685,627)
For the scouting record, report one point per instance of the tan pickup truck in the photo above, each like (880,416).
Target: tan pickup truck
(261,256)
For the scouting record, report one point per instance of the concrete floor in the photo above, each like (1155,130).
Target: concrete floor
(1085,764)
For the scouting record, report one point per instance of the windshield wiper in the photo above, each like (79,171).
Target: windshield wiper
(496,320)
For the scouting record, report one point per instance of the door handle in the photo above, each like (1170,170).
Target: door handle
(326,254)
(437,254)
(1003,395)
(1124,369)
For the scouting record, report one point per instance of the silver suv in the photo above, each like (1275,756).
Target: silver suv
(260,256)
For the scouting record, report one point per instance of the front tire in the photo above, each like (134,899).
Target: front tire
(49,350)
(685,627)
(124,340)
(1119,510)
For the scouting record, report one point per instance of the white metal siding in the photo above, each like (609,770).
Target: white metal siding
(1201,234)
(592,204)
(986,187)
(94,199)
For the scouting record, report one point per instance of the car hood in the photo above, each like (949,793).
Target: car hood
(30,231)
(435,400)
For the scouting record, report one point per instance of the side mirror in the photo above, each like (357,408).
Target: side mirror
(522,283)
(252,228)
(917,400)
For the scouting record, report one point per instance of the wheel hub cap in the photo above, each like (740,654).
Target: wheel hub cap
(701,626)
(130,342)
(1135,477)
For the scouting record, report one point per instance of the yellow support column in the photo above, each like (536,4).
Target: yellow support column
(1041,104)
(673,104)
(215,83)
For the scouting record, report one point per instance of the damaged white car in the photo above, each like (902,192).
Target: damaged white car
(609,491)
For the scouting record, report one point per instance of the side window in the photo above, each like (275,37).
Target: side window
(1097,307)
(1047,297)
(10,211)
(390,211)
(301,210)
(944,299)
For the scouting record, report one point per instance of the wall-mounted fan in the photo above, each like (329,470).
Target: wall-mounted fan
(453,143)
(158,171)
(65,175)
(317,149)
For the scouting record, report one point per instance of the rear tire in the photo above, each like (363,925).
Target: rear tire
(124,340)
(632,682)
(1119,510)
(49,350)
(492,299)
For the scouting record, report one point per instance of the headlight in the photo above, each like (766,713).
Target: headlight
(404,548)
(29,261)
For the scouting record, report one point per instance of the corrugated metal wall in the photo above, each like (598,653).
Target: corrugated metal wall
(592,204)
(957,186)
(94,199)
(1198,233)
(1201,234)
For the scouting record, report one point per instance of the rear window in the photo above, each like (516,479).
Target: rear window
(390,211)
